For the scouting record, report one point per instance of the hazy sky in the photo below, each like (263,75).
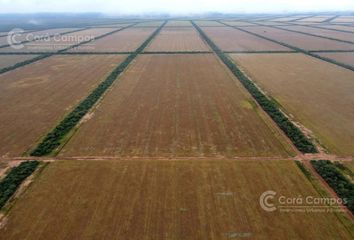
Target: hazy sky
(173,6)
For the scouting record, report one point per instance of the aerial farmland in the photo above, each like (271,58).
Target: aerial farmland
(194,127)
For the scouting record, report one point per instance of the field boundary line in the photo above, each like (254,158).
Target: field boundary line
(301,18)
(54,139)
(330,19)
(306,52)
(297,137)
(40,57)
(318,27)
(259,52)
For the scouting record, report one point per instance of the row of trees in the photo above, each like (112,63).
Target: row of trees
(301,142)
(54,138)
(13,180)
(336,180)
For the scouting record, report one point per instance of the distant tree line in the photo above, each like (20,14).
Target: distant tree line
(336,180)
(14,178)
(301,142)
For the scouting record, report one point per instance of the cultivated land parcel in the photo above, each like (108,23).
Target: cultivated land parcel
(178,146)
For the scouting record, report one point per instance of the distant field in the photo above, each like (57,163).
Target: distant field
(178,24)
(177,105)
(344,19)
(315,19)
(10,60)
(35,97)
(238,23)
(58,43)
(343,57)
(208,23)
(318,94)
(300,40)
(30,35)
(160,200)
(178,39)
(126,40)
(323,32)
(340,27)
(230,39)
(149,24)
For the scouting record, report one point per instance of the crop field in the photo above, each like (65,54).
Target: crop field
(318,94)
(185,105)
(37,96)
(322,32)
(300,40)
(9,60)
(123,41)
(230,39)
(29,35)
(343,57)
(178,24)
(59,43)
(150,127)
(178,39)
(197,200)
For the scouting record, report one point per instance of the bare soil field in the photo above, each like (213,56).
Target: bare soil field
(61,42)
(35,97)
(177,39)
(344,19)
(123,41)
(208,23)
(343,57)
(177,105)
(149,24)
(285,19)
(318,94)
(339,27)
(300,40)
(315,19)
(196,200)
(31,35)
(230,39)
(238,23)
(178,24)
(322,32)
(9,60)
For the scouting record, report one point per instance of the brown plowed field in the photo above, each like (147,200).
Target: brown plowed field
(9,60)
(323,32)
(177,39)
(177,105)
(123,41)
(349,19)
(238,23)
(30,35)
(208,23)
(149,24)
(300,40)
(166,200)
(343,57)
(35,97)
(178,24)
(61,42)
(230,39)
(340,27)
(317,93)
(315,19)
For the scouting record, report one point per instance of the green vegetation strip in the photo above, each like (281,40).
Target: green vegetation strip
(49,54)
(13,180)
(337,181)
(296,136)
(309,53)
(53,139)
